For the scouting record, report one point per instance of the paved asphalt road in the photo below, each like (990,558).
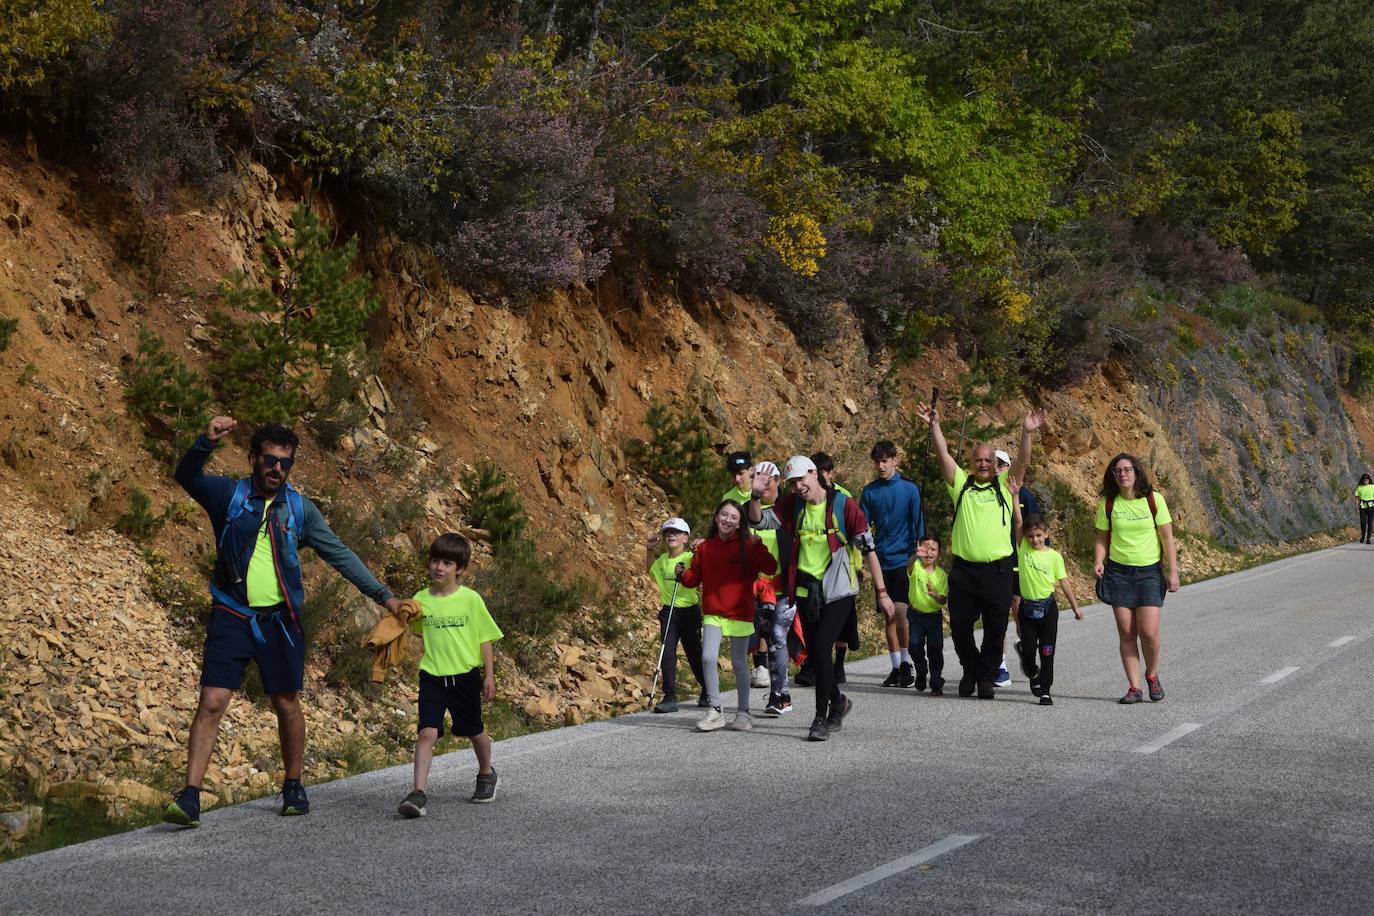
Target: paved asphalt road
(1261,803)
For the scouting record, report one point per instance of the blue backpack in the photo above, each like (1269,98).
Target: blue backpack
(239,502)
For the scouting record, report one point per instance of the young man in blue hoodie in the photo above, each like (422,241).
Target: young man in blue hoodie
(893,506)
(260,523)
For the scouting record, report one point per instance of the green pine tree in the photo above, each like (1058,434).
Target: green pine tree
(309,311)
(169,399)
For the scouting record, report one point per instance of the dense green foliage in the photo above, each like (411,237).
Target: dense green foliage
(309,313)
(679,457)
(1011,173)
(168,398)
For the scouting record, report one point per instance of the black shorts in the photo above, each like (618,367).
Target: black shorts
(898,584)
(458,694)
(230,646)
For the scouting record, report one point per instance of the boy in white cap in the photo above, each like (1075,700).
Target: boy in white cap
(679,619)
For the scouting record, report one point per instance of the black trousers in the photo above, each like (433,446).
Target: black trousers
(1366,522)
(1038,636)
(928,644)
(980,591)
(820,636)
(685,627)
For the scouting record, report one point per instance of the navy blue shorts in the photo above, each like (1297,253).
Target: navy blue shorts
(229,646)
(460,695)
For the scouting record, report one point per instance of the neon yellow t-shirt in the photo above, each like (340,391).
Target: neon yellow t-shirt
(739,495)
(264,589)
(920,599)
(454,628)
(1365,493)
(814,557)
(769,536)
(1135,542)
(662,573)
(1040,570)
(982,529)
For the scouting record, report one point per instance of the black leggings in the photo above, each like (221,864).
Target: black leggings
(820,637)
(685,627)
(1037,643)
(1366,522)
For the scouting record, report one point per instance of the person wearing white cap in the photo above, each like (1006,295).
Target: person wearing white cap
(984,566)
(679,613)
(821,582)
(779,544)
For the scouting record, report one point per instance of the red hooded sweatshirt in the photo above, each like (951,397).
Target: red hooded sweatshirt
(727,580)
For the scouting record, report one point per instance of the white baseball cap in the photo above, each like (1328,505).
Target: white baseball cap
(676,524)
(766,468)
(1002,456)
(798,466)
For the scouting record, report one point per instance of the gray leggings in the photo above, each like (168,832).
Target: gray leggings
(739,657)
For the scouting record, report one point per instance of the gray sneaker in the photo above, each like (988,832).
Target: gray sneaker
(486,788)
(414,804)
(742,722)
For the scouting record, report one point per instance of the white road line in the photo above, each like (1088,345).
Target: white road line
(896,867)
(1278,675)
(1340,642)
(1187,728)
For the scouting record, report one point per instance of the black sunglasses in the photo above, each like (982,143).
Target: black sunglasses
(271,461)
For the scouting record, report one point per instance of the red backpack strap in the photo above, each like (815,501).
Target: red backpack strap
(1154,512)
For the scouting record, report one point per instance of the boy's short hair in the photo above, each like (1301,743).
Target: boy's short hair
(823,462)
(273,433)
(1036,520)
(453,547)
(738,461)
(883,449)
(931,537)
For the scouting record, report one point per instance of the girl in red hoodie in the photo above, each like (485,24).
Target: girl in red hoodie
(725,567)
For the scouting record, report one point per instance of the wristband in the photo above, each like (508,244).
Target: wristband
(882,591)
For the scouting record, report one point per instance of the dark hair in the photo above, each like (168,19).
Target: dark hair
(1112,489)
(450,546)
(276,434)
(738,461)
(931,537)
(882,449)
(1365,478)
(1035,520)
(823,462)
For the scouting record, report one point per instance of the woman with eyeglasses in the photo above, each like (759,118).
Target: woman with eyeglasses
(1134,533)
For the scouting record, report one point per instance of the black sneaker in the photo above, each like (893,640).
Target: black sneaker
(1045,700)
(666,706)
(184,809)
(920,680)
(486,788)
(774,707)
(805,678)
(894,679)
(414,804)
(937,686)
(908,677)
(835,721)
(819,731)
(966,684)
(293,800)
(986,690)
(1155,689)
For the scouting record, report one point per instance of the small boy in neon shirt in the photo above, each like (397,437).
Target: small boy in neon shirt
(456,670)
(929,593)
(1040,567)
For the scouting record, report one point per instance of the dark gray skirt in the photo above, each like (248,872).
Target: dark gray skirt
(1132,586)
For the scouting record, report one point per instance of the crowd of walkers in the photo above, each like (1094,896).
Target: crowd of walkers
(777,574)
(781,568)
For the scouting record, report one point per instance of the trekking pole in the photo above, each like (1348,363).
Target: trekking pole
(664,645)
(930,434)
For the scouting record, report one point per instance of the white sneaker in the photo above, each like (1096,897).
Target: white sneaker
(742,722)
(712,721)
(760,677)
